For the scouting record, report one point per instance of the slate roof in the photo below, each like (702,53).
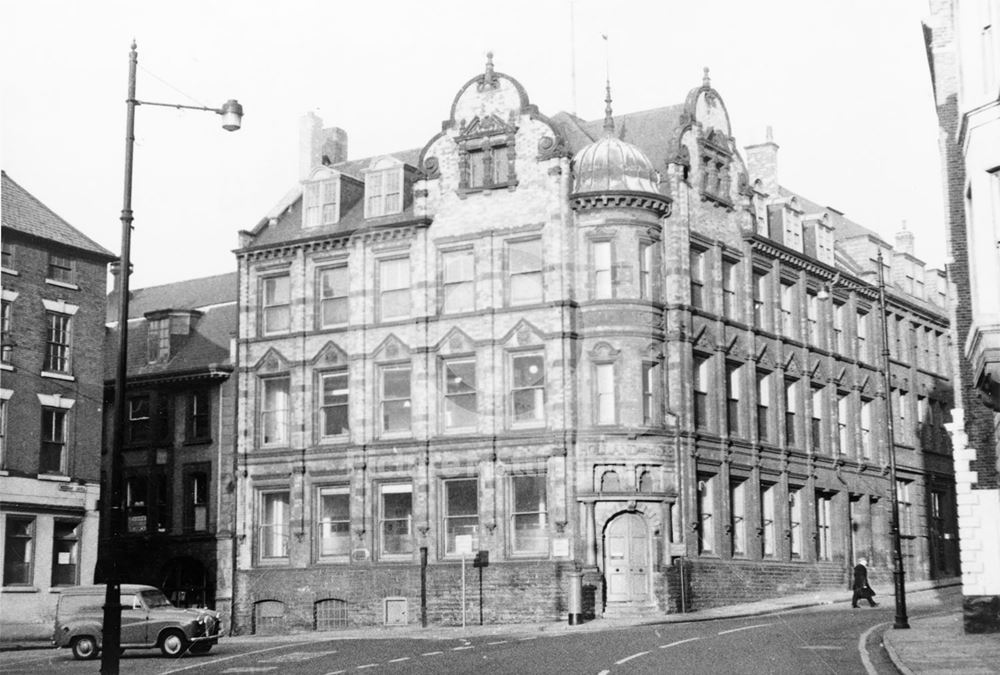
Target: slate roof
(187,294)
(289,210)
(843,227)
(23,212)
(649,130)
(204,350)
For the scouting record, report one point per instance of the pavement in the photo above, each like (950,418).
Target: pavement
(933,644)
(939,644)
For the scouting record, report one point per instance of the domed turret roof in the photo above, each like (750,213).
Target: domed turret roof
(609,164)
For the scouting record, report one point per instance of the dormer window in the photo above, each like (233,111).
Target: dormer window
(487,166)
(791,235)
(321,199)
(158,341)
(384,188)
(486,154)
(716,158)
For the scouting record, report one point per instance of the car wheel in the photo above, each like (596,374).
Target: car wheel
(201,647)
(84,648)
(173,643)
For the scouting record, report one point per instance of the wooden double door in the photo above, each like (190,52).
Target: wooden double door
(627,559)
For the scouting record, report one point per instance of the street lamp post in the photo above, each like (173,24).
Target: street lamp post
(898,577)
(232,114)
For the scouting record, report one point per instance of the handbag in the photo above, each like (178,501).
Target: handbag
(870,592)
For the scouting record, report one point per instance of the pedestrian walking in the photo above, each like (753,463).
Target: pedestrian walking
(860,586)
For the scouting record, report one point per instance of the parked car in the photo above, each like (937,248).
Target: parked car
(148,621)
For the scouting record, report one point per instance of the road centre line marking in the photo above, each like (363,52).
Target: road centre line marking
(831,647)
(525,639)
(679,642)
(498,642)
(335,672)
(431,653)
(201,664)
(367,665)
(736,630)
(862,641)
(455,649)
(604,672)
(401,658)
(629,658)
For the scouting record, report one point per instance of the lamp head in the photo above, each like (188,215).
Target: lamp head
(232,115)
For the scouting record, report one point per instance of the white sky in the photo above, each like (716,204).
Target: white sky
(844,83)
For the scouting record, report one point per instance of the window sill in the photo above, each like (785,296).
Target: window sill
(20,589)
(7,270)
(459,431)
(339,560)
(57,376)
(464,192)
(519,426)
(342,439)
(392,435)
(273,562)
(54,477)
(6,366)
(62,284)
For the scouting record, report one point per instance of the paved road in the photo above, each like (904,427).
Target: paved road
(833,639)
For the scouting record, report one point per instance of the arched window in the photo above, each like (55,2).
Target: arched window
(610,482)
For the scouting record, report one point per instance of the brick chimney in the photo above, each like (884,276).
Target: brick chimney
(904,240)
(762,162)
(319,146)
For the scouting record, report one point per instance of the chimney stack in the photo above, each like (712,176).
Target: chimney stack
(904,240)
(319,146)
(762,162)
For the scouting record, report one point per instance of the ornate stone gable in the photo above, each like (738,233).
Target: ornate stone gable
(524,334)
(391,349)
(330,355)
(456,341)
(273,361)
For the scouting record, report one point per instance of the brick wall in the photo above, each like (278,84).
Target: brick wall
(86,364)
(714,583)
(513,592)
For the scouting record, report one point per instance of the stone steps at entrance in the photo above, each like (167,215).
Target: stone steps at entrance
(631,611)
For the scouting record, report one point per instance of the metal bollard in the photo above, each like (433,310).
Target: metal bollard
(575,598)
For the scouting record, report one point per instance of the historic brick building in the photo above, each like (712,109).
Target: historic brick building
(963,45)
(54,280)
(178,439)
(609,345)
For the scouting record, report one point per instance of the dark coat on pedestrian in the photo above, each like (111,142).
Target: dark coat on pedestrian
(861,588)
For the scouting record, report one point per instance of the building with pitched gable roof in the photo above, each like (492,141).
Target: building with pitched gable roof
(572,345)
(53,286)
(178,437)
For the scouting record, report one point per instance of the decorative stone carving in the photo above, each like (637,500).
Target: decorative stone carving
(551,147)
(432,168)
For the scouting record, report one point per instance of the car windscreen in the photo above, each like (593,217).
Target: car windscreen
(155,599)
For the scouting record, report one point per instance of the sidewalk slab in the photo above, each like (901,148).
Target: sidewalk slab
(939,644)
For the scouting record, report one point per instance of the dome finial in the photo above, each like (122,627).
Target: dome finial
(489,66)
(706,81)
(609,121)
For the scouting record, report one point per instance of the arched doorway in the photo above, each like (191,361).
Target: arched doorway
(626,559)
